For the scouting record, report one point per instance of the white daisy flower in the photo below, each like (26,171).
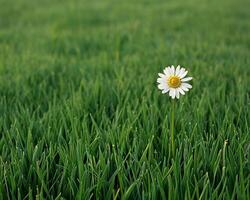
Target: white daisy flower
(173,81)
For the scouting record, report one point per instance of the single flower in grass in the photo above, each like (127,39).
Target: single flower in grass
(174,81)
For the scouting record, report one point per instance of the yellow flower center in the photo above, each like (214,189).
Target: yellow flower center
(174,81)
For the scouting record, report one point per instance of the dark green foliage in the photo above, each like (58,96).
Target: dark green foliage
(81,116)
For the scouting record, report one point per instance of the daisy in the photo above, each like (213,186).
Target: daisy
(173,81)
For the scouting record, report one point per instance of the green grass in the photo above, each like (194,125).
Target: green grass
(80,113)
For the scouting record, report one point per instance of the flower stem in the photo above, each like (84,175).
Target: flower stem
(172,127)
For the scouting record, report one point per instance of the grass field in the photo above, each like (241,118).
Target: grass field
(81,116)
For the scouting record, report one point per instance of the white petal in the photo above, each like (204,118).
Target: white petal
(161,75)
(172,70)
(177,71)
(162,86)
(172,93)
(187,85)
(183,74)
(181,91)
(184,89)
(166,86)
(186,79)
(165,90)
(182,70)
(167,71)
(177,94)
(161,80)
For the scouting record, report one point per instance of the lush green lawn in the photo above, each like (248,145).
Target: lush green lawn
(80,113)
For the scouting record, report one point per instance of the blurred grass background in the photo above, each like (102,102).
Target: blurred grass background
(81,116)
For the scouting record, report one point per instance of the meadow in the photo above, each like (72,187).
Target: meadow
(81,116)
